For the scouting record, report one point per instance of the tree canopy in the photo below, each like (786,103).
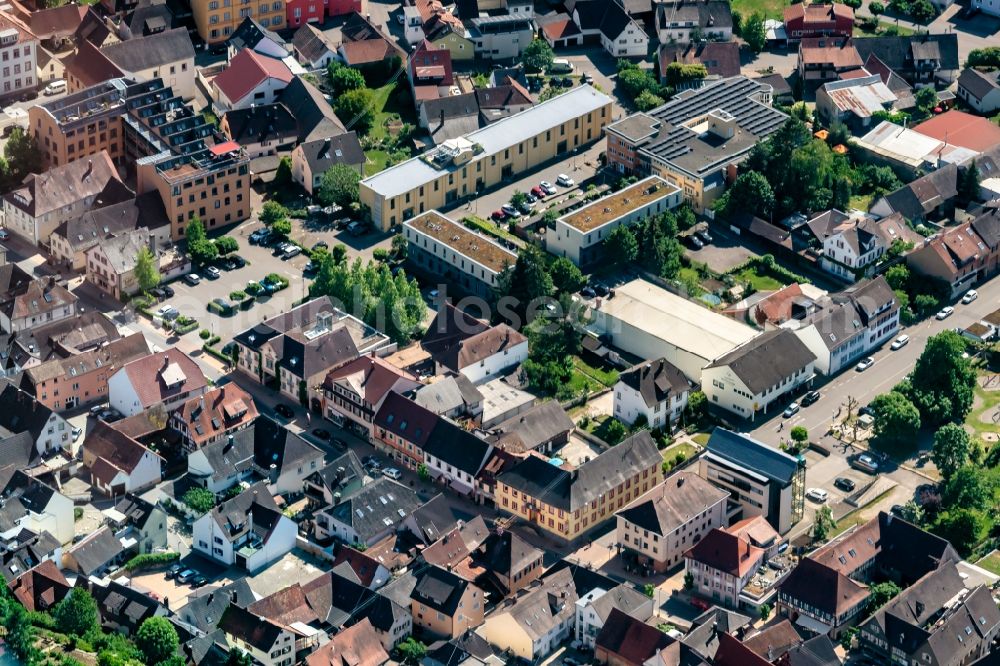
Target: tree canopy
(896,419)
(339,185)
(521,284)
(76,614)
(157,640)
(943,381)
(357,108)
(147,273)
(951,449)
(566,277)
(538,55)
(343,78)
(620,246)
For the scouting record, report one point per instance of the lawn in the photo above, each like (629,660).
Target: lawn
(991,562)
(682,448)
(689,278)
(862,31)
(861,201)
(758,281)
(392,99)
(377,161)
(980,419)
(607,377)
(701,438)
(769,8)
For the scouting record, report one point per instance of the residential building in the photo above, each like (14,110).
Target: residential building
(682,21)
(42,202)
(442,604)
(650,322)
(567,502)
(818,19)
(959,128)
(908,151)
(343,475)
(720,59)
(476,350)
(48,431)
(310,160)
(217,22)
(695,140)
(513,563)
(82,378)
(819,599)
(980,90)
(40,588)
(248,531)
(721,565)
(963,255)
(369,515)
(986,6)
(118,463)
(430,73)
(461,167)
(402,428)
(134,517)
(535,623)
(655,391)
(928,198)
(441,28)
(559,30)
(827,58)
(164,380)
(849,325)
(854,101)
(167,55)
(750,378)
(626,641)
(267,643)
(97,554)
(579,235)
(355,391)
(440,247)
(28,305)
(213,416)
(764,481)
(501,36)
(660,525)
(594,608)
(249,79)
(544,428)
(453,396)
(123,609)
(937,620)
(923,58)
(620,34)
(856,244)
(312,48)
(33,505)
(255,36)
(19,53)
(358,645)
(111,263)
(262,131)
(455,456)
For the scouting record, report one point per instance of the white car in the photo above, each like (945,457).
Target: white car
(792,410)
(547,187)
(564,180)
(392,473)
(4,234)
(970,296)
(165,310)
(899,342)
(864,364)
(944,313)
(817,495)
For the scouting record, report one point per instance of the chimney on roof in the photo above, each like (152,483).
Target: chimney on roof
(166,360)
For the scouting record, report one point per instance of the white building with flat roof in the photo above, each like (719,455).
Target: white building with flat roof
(651,322)
(579,235)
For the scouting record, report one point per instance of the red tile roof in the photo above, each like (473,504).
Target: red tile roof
(248,70)
(357,645)
(430,62)
(223,148)
(733,653)
(221,410)
(560,28)
(369,375)
(40,588)
(145,375)
(961,129)
(726,552)
(367,51)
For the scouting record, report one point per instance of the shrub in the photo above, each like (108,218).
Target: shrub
(205,334)
(149,560)
(254,288)
(237,295)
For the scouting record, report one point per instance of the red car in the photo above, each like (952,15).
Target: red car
(499,215)
(538,192)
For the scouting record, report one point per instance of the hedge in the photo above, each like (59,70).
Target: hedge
(150,560)
(182,329)
(209,349)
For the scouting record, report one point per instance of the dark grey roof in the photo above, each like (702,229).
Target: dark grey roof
(21,493)
(151,51)
(253,510)
(817,651)
(368,509)
(21,413)
(440,590)
(656,381)
(323,153)
(89,229)
(24,550)
(453,106)
(250,33)
(249,628)
(345,603)
(94,553)
(437,517)
(457,447)
(150,16)
(898,52)
(745,452)
(315,115)
(274,444)
(19,450)
(673,503)
(306,358)
(708,15)
(610,17)
(260,123)
(767,360)
(138,510)
(124,605)
(979,84)
(703,638)
(987,226)
(923,195)
(339,473)
(311,43)
(204,608)
(232,455)
(543,423)
(584,579)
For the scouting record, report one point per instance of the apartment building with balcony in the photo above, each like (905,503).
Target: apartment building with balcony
(462,167)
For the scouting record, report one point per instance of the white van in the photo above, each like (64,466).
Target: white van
(55,87)
(561,66)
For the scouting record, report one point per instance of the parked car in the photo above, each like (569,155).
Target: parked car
(321,244)
(186,576)
(257,236)
(866,411)
(498,216)
(695,242)
(899,342)
(510,211)
(56,87)
(817,495)
(290,252)
(526,207)
(164,310)
(320,433)
(897,510)
(809,398)
(601,289)
(567,82)
(587,77)
(970,296)
(173,571)
(945,312)
(865,463)
(392,473)
(547,187)
(76,433)
(284,411)
(845,484)
(168,290)
(565,181)
(97,409)
(791,410)
(158,293)
(538,192)
(864,364)
(588,292)
(192,279)
(199,581)
(212,273)
(705,237)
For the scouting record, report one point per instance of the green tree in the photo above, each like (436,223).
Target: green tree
(968,183)
(688,581)
(538,56)
(876,8)
(649,590)
(912,513)
(926,99)
(986,57)
(615,431)
(634,81)
(922,11)
(357,109)
(800,435)
(339,185)
(943,382)
(147,273)
(22,155)
(566,277)
(157,640)
(750,192)
(754,33)
(518,199)
(521,284)
(765,612)
(678,73)
(967,488)
(195,230)
(270,212)
(697,408)
(411,651)
(620,246)
(951,449)
(343,79)
(963,528)
(338,254)
(282,227)
(896,419)
(880,594)
(823,524)
(283,176)
(400,247)
(646,101)
(423,472)
(226,245)
(76,614)
(201,500)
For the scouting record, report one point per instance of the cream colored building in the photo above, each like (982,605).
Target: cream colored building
(217,20)
(462,167)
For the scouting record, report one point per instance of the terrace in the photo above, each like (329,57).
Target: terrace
(617,205)
(464,242)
